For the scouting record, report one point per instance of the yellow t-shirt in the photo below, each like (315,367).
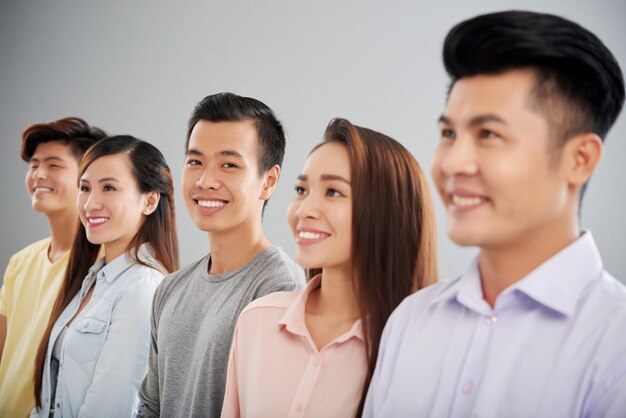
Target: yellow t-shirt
(30,287)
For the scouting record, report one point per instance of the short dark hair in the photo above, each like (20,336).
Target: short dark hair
(578,81)
(71,131)
(226,107)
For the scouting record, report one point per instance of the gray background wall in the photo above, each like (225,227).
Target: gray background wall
(139,67)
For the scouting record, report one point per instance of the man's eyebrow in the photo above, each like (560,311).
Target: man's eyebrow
(51,158)
(476,120)
(229,153)
(490,117)
(303,177)
(193,151)
(444,119)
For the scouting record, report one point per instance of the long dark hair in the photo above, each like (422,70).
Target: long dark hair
(393,243)
(159,229)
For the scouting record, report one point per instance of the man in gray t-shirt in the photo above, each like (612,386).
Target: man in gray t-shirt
(235,146)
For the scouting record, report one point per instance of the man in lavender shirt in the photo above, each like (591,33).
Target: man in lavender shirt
(535,327)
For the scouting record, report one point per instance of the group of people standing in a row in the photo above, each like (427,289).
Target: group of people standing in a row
(99,320)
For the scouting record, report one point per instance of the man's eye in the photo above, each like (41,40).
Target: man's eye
(448,134)
(486,133)
(300,190)
(193,162)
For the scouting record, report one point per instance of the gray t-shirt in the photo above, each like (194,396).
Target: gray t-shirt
(193,320)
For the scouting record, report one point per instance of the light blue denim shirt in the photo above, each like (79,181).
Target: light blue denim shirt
(105,352)
(553,345)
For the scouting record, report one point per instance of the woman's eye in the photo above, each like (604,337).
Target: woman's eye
(108,188)
(84,188)
(333,193)
(300,190)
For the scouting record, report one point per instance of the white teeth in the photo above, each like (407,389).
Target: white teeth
(466,201)
(310,235)
(43,189)
(211,203)
(97,220)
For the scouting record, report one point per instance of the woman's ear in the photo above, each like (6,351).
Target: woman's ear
(151,201)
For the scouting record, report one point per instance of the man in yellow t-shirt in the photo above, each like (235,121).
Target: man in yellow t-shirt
(34,275)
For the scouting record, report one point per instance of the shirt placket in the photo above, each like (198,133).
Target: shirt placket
(473,366)
(307,384)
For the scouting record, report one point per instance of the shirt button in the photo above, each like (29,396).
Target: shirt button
(299,408)
(467,387)
(86,325)
(491,319)
(316,362)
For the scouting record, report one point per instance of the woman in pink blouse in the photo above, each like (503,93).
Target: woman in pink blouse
(364,228)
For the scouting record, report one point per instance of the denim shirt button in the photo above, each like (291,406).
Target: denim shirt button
(86,325)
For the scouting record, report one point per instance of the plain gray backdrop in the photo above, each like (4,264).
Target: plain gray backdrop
(139,67)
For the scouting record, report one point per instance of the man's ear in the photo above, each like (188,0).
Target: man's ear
(583,153)
(151,201)
(269,182)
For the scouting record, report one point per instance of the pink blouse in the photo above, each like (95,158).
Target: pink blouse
(275,369)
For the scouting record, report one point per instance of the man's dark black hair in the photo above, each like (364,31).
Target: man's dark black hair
(71,131)
(225,107)
(579,83)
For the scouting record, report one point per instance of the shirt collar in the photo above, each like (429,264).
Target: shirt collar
(556,284)
(119,265)
(559,282)
(293,319)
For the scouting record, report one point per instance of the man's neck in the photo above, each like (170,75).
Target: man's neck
(505,265)
(63,227)
(231,250)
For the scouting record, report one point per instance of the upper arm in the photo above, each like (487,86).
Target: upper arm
(4,307)
(608,399)
(123,360)
(149,395)
(230,407)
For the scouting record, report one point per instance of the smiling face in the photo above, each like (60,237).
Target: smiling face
(223,190)
(110,204)
(494,166)
(320,215)
(51,179)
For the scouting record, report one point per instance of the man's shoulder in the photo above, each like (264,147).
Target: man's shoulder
(607,298)
(433,293)
(26,254)
(418,304)
(178,277)
(274,264)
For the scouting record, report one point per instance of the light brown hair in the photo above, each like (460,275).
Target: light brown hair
(393,228)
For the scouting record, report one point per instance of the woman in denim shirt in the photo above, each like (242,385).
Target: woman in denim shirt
(94,354)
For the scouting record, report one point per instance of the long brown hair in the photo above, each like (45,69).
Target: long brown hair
(159,229)
(393,229)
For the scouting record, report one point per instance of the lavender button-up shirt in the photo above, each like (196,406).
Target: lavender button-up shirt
(553,346)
